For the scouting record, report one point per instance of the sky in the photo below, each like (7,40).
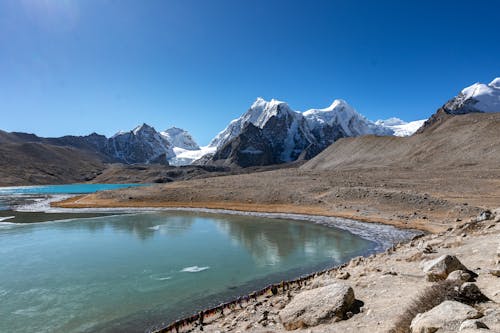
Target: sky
(82,66)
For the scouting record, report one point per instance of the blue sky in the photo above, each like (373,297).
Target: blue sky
(73,67)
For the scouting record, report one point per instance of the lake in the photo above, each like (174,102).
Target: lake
(130,272)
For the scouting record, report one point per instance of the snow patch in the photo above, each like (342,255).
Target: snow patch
(401,127)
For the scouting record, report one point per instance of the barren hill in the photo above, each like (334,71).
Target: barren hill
(462,141)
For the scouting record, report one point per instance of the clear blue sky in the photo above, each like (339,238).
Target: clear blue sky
(73,67)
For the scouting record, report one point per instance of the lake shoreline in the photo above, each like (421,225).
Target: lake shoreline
(90,202)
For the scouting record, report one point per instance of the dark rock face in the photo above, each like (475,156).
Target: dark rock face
(282,139)
(142,145)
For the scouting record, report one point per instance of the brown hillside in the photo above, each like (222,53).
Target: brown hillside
(36,163)
(464,141)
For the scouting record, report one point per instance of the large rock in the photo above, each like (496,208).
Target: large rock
(447,316)
(317,306)
(438,269)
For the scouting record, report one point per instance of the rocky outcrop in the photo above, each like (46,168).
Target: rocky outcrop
(141,145)
(448,315)
(438,269)
(316,306)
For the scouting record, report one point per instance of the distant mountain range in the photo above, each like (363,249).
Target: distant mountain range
(269,132)
(272,133)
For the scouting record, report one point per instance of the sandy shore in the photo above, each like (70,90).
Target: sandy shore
(89,201)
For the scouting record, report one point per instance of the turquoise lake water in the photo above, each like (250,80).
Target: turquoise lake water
(131,272)
(63,189)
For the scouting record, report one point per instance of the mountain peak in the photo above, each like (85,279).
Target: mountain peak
(261,103)
(338,103)
(180,138)
(495,83)
(143,128)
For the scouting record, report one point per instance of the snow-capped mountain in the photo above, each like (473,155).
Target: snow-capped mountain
(478,97)
(141,145)
(346,117)
(180,138)
(401,127)
(268,133)
(271,132)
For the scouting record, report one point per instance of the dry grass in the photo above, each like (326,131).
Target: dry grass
(429,298)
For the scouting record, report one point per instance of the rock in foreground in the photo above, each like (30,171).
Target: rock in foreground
(317,306)
(448,315)
(438,269)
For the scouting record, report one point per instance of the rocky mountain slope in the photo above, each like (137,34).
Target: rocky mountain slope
(271,133)
(141,145)
(478,97)
(28,159)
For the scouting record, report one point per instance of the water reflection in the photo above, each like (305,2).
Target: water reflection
(267,248)
(267,240)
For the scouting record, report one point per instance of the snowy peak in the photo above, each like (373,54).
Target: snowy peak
(180,138)
(258,115)
(342,115)
(478,97)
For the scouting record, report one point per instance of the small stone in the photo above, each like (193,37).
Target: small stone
(495,272)
(485,215)
(343,275)
(459,275)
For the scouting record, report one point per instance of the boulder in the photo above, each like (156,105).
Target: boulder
(438,269)
(447,316)
(316,306)
(459,275)
(471,293)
